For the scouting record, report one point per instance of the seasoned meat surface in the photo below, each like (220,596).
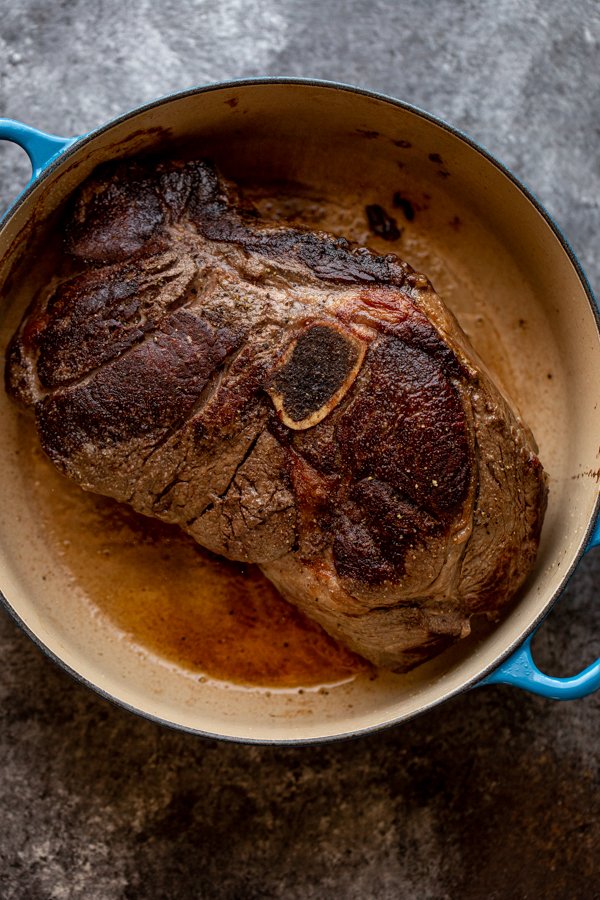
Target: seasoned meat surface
(287,399)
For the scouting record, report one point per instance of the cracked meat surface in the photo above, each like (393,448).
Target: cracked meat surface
(286,398)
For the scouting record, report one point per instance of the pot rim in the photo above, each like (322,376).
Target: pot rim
(78,145)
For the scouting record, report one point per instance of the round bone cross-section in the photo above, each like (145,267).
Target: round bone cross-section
(314,373)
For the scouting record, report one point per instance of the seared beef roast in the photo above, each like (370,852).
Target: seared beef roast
(288,399)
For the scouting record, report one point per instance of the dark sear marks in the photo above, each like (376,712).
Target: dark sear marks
(96,316)
(149,390)
(288,399)
(410,407)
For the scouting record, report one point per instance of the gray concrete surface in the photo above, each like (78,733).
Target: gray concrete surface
(496,794)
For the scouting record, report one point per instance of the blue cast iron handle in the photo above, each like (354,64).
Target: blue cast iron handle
(41,148)
(521,671)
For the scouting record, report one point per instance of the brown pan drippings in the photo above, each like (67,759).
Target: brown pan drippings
(176,600)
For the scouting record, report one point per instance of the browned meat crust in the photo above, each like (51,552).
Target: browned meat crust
(287,399)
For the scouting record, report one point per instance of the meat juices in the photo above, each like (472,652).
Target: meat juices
(288,400)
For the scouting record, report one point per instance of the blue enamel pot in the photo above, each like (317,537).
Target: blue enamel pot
(492,252)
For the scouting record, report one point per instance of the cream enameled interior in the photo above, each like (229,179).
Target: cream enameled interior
(500,264)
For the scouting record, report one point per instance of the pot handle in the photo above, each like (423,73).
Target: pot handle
(521,671)
(41,148)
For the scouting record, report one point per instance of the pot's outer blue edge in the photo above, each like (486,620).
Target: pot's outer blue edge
(501,671)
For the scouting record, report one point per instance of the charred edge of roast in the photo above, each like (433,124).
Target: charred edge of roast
(128,203)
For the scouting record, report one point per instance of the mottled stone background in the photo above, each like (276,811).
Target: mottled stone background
(494,795)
